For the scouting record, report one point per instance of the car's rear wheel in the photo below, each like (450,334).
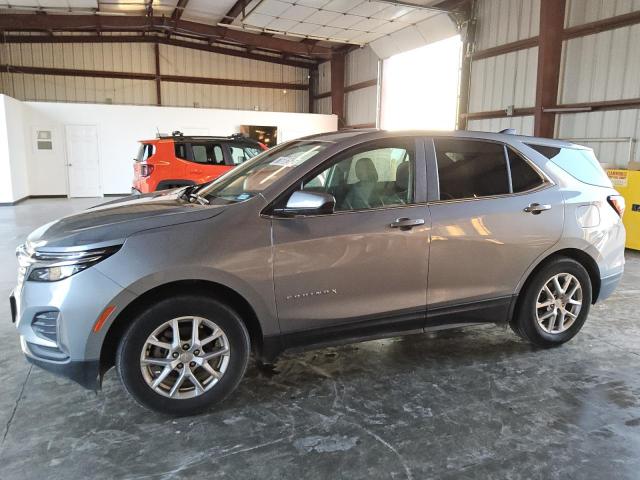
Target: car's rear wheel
(555,303)
(183,355)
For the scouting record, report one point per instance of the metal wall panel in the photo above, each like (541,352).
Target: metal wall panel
(361,65)
(324,78)
(523,125)
(605,66)
(236,98)
(197,63)
(585,11)
(610,131)
(140,58)
(56,88)
(119,57)
(506,21)
(503,80)
(361,106)
(322,105)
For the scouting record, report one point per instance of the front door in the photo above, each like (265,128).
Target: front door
(83,163)
(483,236)
(364,266)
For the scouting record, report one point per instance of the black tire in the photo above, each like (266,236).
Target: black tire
(525,323)
(133,341)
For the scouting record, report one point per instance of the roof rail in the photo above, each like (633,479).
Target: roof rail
(509,131)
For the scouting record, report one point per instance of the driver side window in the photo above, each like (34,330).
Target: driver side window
(376,178)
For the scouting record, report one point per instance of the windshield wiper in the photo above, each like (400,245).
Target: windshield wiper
(191,194)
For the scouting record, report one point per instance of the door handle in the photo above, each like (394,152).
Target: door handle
(537,208)
(407,223)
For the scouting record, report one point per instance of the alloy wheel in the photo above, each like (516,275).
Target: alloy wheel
(185,357)
(559,303)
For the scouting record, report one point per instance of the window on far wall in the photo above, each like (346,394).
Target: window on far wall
(43,140)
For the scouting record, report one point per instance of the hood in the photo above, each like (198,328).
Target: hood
(112,222)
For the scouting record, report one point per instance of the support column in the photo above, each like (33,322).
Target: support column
(549,58)
(158,80)
(337,87)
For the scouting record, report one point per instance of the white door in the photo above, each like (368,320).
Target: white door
(83,164)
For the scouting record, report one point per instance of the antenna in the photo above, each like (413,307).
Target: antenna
(509,131)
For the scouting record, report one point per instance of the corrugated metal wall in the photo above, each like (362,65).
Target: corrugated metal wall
(598,67)
(361,65)
(585,11)
(504,80)
(361,105)
(139,58)
(323,85)
(506,21)
(523,125)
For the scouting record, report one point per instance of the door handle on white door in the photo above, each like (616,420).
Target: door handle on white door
(537,208)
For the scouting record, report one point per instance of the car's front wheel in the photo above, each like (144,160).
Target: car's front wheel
(183,354)
(555,303)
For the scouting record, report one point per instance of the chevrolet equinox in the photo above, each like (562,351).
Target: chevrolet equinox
(336,237)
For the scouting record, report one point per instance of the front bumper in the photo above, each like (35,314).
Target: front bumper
(74,352)
(86,373)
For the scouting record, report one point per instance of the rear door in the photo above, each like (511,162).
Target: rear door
(486,228)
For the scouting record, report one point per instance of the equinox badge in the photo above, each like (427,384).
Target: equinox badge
(315,293)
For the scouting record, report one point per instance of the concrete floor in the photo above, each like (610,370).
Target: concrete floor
(477,403)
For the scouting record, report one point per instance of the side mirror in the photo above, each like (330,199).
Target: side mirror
(309,203)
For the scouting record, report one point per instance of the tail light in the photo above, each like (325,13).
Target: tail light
(146,170)
(617,202)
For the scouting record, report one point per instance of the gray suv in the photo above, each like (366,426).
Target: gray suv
(337,237)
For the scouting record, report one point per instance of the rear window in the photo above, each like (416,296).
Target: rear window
(580,164)
(144,152)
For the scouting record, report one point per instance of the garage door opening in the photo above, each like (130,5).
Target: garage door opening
(420,87)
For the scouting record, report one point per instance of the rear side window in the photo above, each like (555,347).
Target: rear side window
(471,169)
(144,152)
(523,175)
(580,164)
(181,151)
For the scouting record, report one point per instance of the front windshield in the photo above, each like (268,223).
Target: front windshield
(257,174)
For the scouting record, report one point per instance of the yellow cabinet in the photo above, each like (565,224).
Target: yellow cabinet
(627,182)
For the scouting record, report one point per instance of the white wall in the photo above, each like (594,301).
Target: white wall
(39,172)
(13,162)
(6,187)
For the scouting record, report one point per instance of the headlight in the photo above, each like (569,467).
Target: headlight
(53,266)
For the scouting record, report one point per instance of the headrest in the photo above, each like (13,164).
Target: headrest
(402,176)
(366,170)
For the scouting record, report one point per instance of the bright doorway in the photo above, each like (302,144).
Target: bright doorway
(420,87)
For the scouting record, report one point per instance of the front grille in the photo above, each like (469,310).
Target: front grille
(45,325)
